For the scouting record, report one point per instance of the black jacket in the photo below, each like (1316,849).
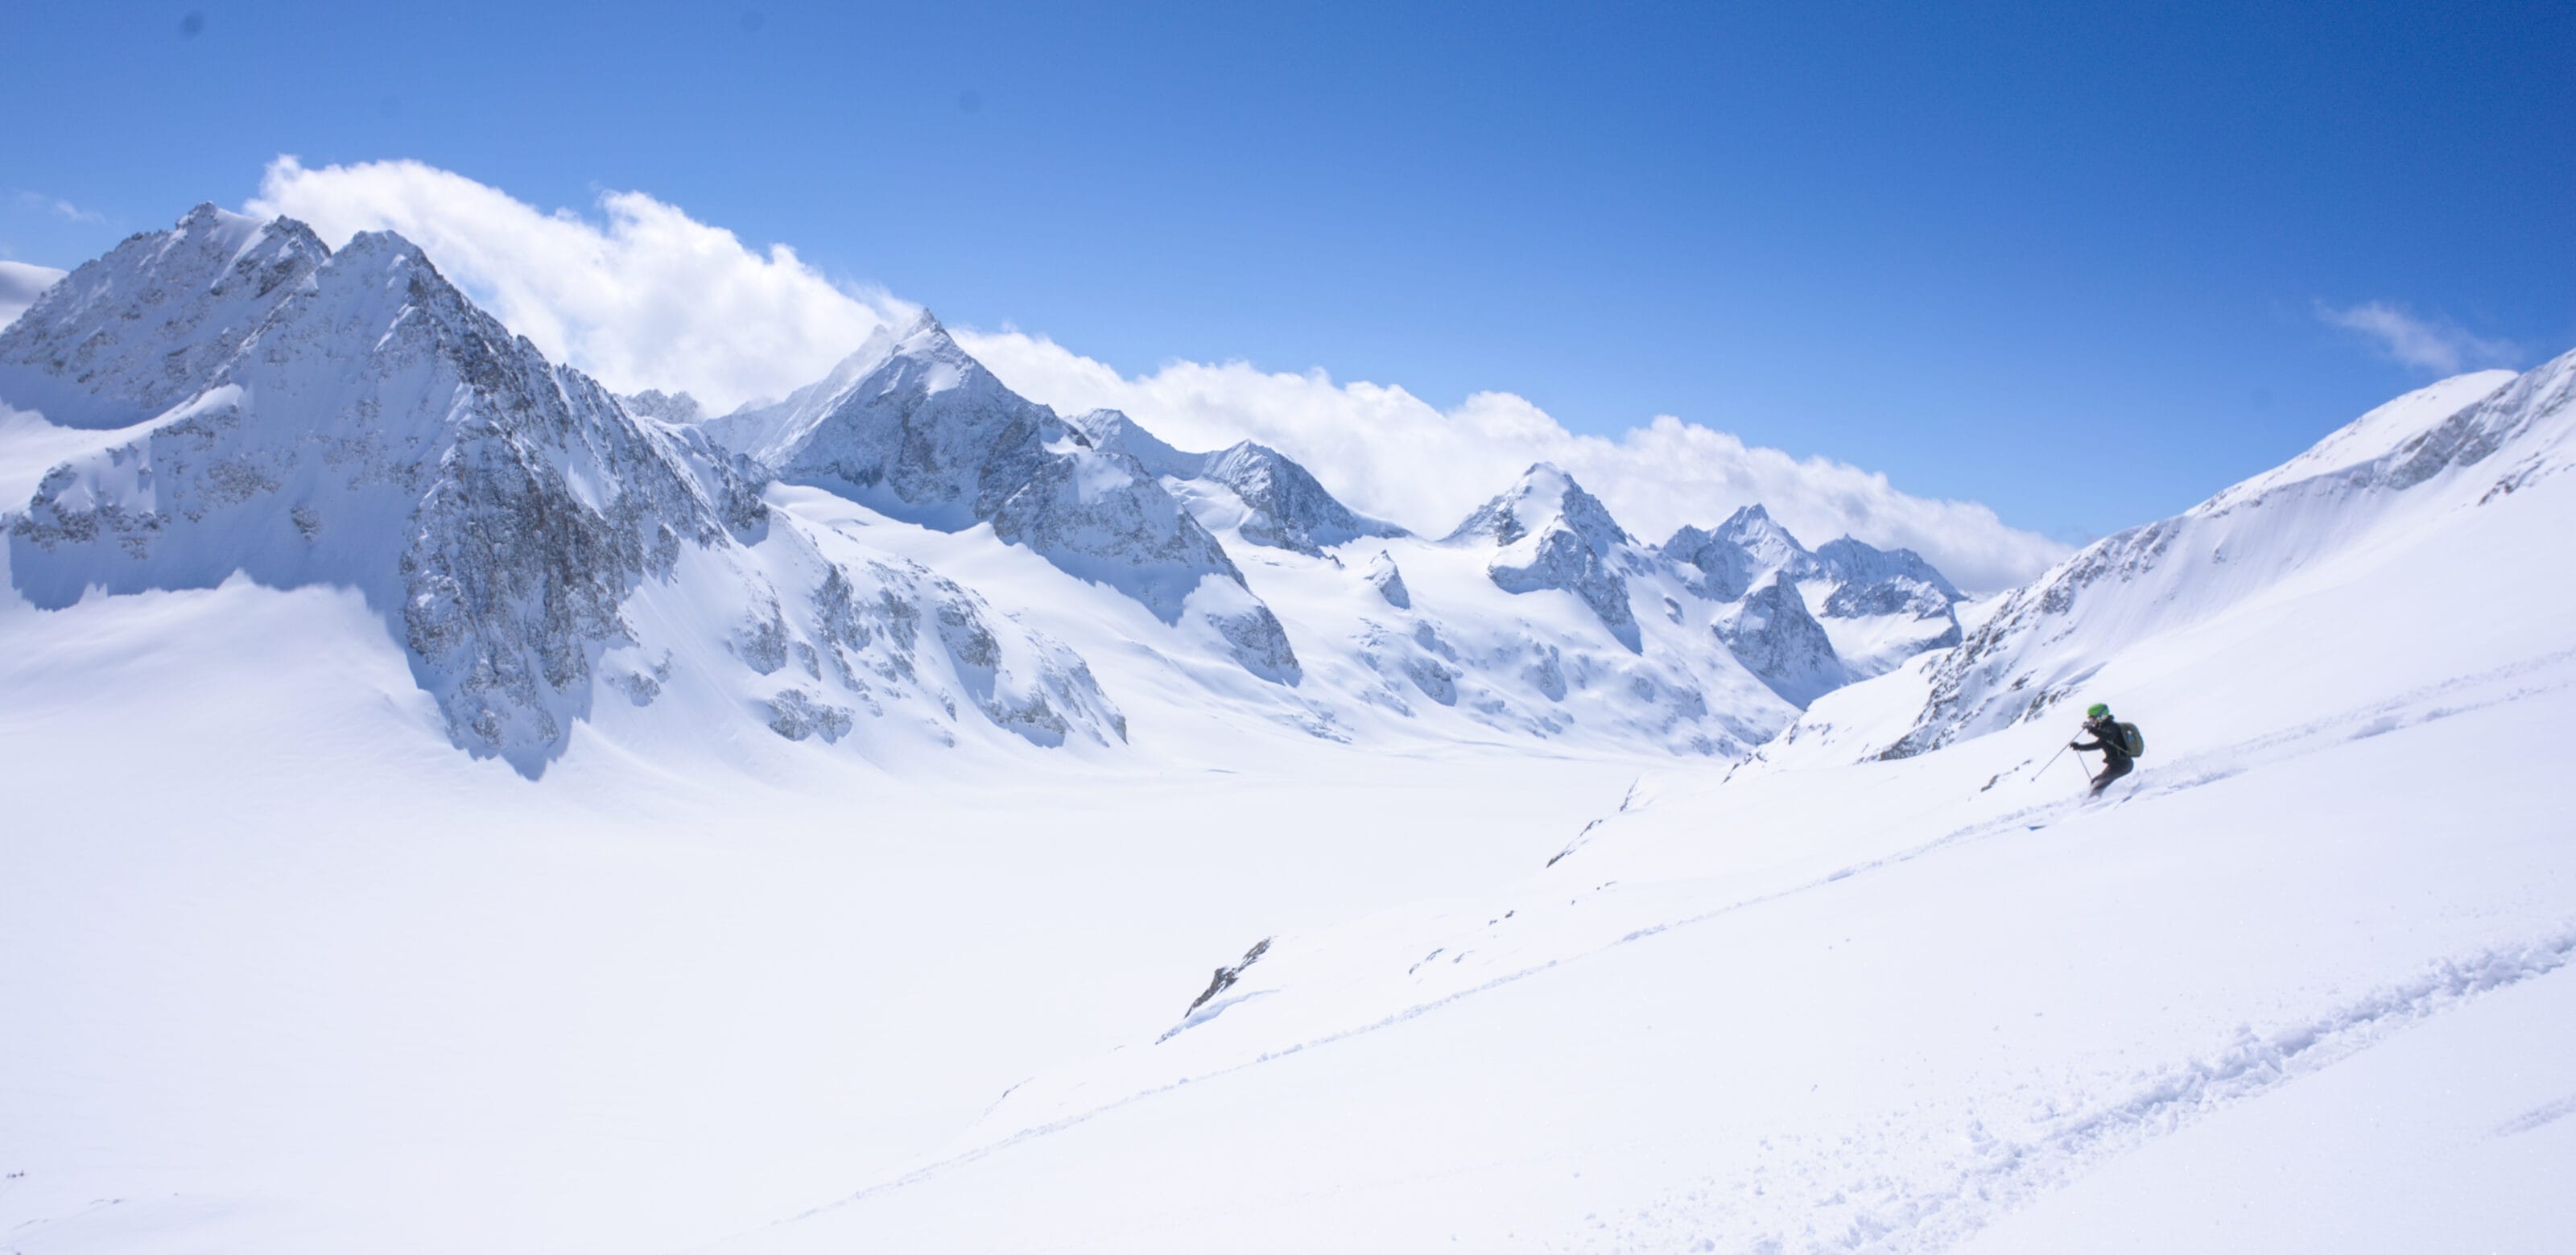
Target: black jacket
(2106,738)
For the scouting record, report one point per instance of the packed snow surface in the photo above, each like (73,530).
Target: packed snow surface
(455,808)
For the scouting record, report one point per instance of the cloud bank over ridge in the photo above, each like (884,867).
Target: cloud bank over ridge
(642,295)
(20,285)
(1392,454)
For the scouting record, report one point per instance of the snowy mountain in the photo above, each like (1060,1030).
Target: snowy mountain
(265,407)
(257,405)
(1247,489)
(268,408)
(916,429)
(207,285)
(1876,607)
(912,428)
(1869,582)
(1740,552)
(1546,532)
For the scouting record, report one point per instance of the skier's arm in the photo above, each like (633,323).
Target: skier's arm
(2084,745)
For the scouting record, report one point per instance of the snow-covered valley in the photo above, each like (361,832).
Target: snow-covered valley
(454,807)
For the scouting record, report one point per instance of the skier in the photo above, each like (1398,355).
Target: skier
(2107,737)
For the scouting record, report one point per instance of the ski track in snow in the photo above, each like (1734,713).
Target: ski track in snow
(2538,1116)
(1868,1208)
(1881,1211)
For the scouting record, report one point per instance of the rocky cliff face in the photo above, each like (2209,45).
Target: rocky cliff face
(1383,576)
(144,327)
(1774,636)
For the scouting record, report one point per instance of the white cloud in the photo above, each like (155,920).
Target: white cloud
(642,297)
(20,284)
(647,297)
(1389,453)
(2429,344)
(58,205)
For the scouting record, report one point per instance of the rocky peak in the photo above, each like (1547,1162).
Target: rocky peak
(1284,506)
(1549,533)
(915,428)
(1739,553)
(670,407)
(1544,497)
(373,430)
(1849,561)
(1111,431)
(926,358)
(1761,537)
(1289,508)
(1869,582)
(129,334)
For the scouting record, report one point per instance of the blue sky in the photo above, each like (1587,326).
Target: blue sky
(2071,261)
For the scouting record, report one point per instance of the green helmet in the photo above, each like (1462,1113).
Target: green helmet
(2097,711)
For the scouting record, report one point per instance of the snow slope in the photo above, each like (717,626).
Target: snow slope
(284,972)
(874,840)
(1834,1000)
(2244,572)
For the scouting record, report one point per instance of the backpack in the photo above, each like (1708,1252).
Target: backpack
(2132,741)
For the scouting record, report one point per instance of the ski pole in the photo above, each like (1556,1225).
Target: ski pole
(2052,759)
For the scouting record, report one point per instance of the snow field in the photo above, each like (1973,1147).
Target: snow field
(855,843)
(285,972)
(1889,1054)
